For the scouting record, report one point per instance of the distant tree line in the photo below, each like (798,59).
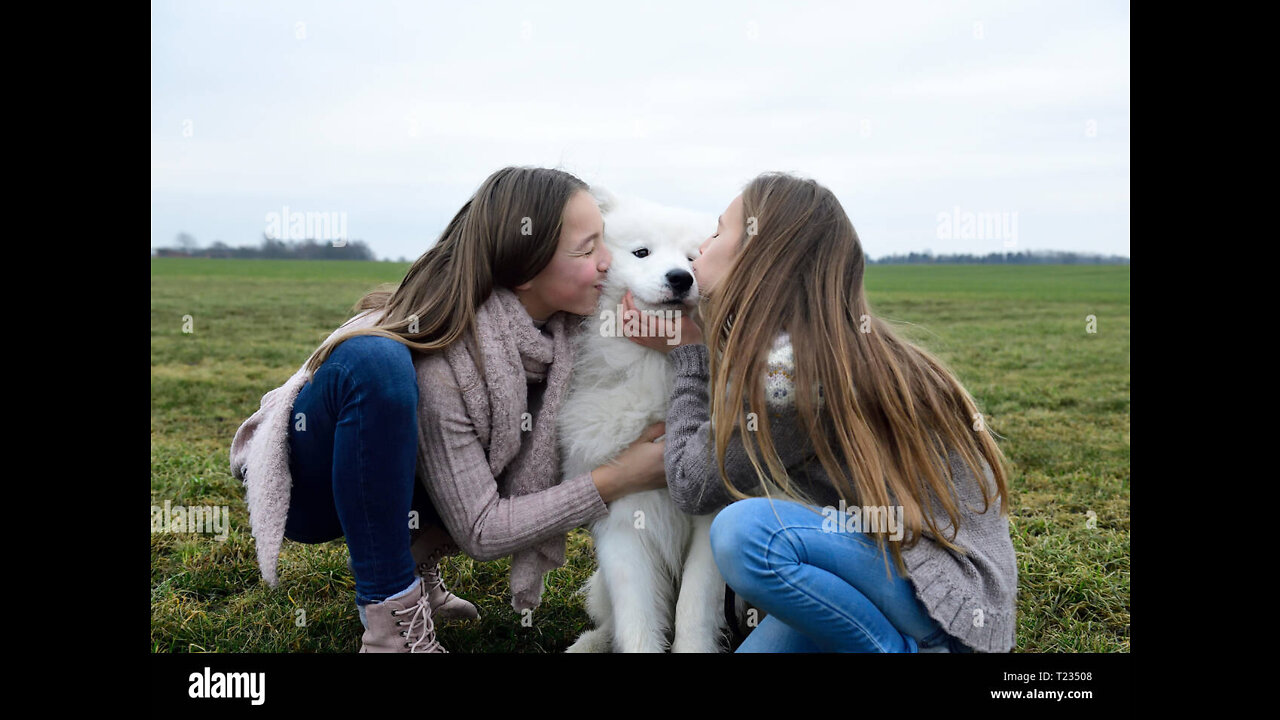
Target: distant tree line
(1032,257)
(270,249)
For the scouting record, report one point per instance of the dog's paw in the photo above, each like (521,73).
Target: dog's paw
(591,641)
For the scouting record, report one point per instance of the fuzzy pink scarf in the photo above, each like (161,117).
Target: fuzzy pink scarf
(516,353)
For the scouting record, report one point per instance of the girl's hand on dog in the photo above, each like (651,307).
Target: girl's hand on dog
(689,332)
(638,468)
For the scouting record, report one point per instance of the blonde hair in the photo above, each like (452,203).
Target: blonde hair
(879,411)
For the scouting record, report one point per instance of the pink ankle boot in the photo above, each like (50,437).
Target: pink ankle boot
(429,547)
(401,625)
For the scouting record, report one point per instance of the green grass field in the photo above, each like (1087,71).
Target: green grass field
(1015,335)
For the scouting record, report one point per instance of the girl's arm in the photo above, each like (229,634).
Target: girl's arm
(692,476)
(465,493)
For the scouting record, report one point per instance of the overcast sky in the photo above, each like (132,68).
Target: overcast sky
(917,115)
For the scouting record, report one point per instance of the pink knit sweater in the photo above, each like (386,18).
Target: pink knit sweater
(452,465)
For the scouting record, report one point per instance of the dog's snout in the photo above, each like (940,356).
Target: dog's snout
(680,281)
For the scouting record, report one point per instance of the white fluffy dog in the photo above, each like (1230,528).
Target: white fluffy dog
(654,561)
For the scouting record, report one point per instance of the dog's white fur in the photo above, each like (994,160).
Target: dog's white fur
(654,561)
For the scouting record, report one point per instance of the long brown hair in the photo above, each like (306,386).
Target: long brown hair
(890,409)
(503,236)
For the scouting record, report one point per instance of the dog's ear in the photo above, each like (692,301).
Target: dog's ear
(605,199)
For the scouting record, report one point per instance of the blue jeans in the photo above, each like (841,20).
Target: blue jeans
(824,591)
(353,452)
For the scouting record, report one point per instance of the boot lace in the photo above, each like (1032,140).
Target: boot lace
(430,572)
(421,617)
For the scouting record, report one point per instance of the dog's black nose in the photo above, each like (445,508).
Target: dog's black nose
(680,281)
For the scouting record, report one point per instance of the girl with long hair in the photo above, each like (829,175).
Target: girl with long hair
(425,424)
(836,446)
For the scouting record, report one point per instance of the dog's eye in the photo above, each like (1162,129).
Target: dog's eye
(641,253)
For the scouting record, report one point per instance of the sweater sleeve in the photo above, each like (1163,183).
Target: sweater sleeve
(692,477)
(465,494)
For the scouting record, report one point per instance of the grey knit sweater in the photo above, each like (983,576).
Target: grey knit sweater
(972,597)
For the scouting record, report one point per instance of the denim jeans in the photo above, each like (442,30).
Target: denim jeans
(353,450)
(823,590)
